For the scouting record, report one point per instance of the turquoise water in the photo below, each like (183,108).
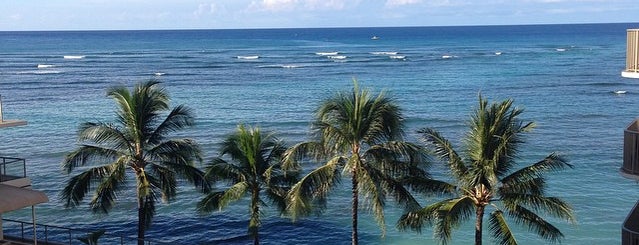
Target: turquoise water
(563,75)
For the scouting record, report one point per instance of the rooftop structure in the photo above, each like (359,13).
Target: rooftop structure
(15,186)
(630,167)
(632,54)
(9,123)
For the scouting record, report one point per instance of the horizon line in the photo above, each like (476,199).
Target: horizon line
(326,27)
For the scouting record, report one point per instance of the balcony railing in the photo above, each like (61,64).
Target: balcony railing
(632,54)
(21,231)
(12,168)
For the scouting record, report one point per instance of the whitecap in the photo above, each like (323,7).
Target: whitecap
(74,57)
(447,56)
(291,66)
(326,53)
(397,57)
(337,57)
(248,57)
(40,66)
(384,53)
(560,49)
(159,74)
(280,66)
(39,72)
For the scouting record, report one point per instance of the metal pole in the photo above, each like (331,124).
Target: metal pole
(35,237)
(1,117)
(1,227)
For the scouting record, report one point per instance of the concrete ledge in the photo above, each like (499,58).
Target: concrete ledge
(629,74)
(12,123)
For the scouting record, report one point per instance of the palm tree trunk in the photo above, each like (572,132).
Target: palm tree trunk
(355,205)
(478,224)
(141,221)
(255,210)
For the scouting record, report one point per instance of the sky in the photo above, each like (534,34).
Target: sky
(24,15)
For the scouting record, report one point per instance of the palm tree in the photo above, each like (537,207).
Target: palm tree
(485,179)
(360,135)
(252,166)
(137,141)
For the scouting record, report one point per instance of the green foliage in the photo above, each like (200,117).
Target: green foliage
(250,161)
(359,135)
(138,141)
(486,178)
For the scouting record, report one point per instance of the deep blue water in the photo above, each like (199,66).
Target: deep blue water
(563,75)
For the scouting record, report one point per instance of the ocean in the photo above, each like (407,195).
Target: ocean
(562,75)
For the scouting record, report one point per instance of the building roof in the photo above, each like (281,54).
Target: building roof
(13,198)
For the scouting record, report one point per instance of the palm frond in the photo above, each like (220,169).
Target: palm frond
(450,215)
(500,229)
(277,195)
(416,219)
(219,169)
(176,151)
(551,205)
(373,186)
(553,162)
(220,199)
(179,118)
(148,209)
(396,158)
(144,184)
(536,224)
(103,134)
(535,186)
(313,187)
(78,186)
(164,179)
(110,185)
(299,152)
(444,150)
(495,135)
(426,185)
(88,154)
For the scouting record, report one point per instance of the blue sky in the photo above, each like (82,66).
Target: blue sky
(224,14)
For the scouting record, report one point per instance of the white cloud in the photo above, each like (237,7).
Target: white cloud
(204,9)
(273,5)
(15,17)
(304,5)
(392,3)
(324,4)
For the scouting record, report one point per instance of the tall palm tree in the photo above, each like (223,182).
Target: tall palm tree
(486,179)
(252,166)
(360,135)
(138,141)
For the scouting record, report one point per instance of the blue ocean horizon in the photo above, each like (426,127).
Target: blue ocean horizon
(562,75)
